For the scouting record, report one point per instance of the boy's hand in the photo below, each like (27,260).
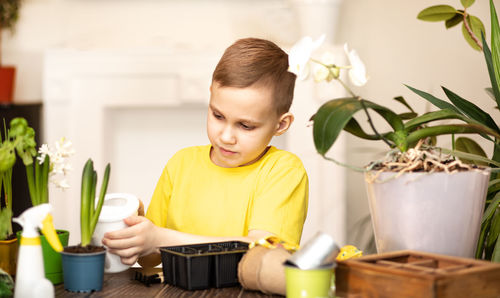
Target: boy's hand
(135,240)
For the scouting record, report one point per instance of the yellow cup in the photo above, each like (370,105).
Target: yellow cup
(315,282)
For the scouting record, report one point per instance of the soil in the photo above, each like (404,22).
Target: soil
(84,249)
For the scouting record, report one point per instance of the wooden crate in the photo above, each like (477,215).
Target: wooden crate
(416,274)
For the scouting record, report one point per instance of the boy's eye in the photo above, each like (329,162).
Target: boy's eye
(246,127)
(217,116)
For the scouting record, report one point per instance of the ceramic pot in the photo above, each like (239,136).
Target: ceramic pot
(438,212)
(83,272)
(8,255)
(7,77)
(116,207)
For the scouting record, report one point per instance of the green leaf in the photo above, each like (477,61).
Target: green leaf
(407,116)
(471,110)
(467,3)
(477,28)
(334,115)
(494,230)
(434,100)
(491,94)
(354,128)
(401,100)
(495,257)
(437,13)
(470,146)
(449,129)
(436,115)
(495,47)
(491,208)
(457,19)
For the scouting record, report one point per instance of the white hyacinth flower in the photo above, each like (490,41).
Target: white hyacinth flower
(357,73)
(59,166)
(300,55)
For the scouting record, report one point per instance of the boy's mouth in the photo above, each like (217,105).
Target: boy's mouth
(226,152)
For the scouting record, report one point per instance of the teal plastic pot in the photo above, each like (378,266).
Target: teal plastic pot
(52,263)
(83,272)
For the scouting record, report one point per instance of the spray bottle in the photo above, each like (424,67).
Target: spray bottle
(30,277)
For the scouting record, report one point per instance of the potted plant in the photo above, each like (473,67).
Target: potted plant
(19,136)
(49,166)
(9,11)
(410,141)
(488,246)
(83,264)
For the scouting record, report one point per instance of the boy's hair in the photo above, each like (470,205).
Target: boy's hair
(257,62)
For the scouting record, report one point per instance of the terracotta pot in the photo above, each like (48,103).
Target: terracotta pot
(8,255)
(7,77)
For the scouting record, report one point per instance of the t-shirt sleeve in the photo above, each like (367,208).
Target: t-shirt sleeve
(157,210)
(280,203)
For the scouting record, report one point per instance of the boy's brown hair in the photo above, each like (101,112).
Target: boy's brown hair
(257,62)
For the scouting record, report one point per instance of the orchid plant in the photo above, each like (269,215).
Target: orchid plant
(409,131)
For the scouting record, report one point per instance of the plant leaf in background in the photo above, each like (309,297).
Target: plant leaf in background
(437,13)
(471,110)
(477,28)
(495,88)
(467,3)
(470,146)
(455,20)
(495,46)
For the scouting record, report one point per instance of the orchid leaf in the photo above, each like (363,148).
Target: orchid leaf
(334,115)
(491,94)
(436,115)
(477,28)
(455,20)
(495,48)
(355,129)
(493,182)
(467,3)
(495,257)
(434,100)
(407,116)
(471,110)
(470,146)
(495,88)
(437,130)
(437,13)
(401,100)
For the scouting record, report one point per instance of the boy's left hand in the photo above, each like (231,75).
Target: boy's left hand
(132,242)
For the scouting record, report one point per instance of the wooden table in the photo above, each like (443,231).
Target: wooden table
(123,285)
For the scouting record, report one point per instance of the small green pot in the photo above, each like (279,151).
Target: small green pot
(308,283)
(52,263)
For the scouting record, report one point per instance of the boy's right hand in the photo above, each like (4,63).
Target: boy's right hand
(135,240)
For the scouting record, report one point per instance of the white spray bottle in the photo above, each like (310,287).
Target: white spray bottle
(30,275)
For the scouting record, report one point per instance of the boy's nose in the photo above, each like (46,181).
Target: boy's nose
(227,136)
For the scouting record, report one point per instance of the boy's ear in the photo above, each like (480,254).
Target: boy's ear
(284,123)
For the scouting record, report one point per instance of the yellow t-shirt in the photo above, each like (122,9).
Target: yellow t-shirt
(194,195)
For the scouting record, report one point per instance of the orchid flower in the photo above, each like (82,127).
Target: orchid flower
(300,55)
(326,70)
(357,72)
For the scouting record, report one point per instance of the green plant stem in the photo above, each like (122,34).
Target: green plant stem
(438,130)
(31,184)
(87,178)
(469,30)
(354,168)
(102,194)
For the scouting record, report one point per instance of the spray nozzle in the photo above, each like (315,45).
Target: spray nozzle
(39,217)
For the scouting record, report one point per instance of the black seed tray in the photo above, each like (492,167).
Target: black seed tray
(202,266)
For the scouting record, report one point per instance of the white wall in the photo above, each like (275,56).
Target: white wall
(396,47)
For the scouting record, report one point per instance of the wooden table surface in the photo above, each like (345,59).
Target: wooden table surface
(123,285)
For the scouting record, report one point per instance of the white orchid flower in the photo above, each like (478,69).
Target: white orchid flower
(357,73)
(325,70)
(300,55)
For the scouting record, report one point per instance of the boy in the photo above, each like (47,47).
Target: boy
(238,187)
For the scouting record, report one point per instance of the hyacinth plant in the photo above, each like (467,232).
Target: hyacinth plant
(411,136)
(89,211)
(474,33)
(51,166)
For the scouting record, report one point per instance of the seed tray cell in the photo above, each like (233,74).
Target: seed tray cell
(202,266)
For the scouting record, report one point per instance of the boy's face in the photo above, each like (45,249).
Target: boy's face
(240,124)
